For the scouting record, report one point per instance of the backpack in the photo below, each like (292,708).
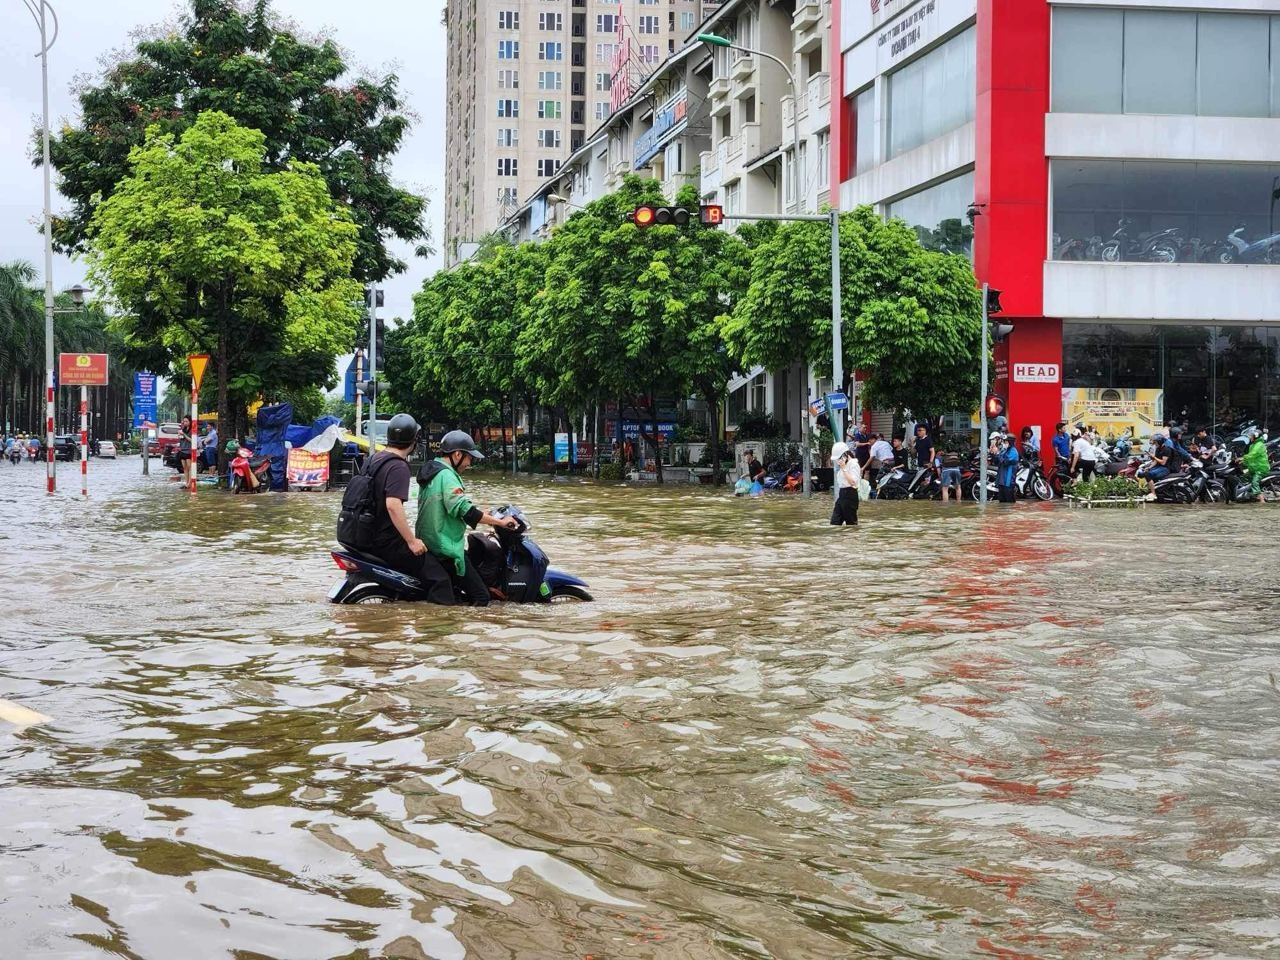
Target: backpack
(358,518)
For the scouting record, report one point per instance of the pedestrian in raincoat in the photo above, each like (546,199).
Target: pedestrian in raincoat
(1256,462)
(1006,457)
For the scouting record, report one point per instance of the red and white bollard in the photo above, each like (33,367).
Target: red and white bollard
(84,441)
(48,435)
(195,435)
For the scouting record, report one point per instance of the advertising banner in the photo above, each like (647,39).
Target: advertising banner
(1113,410)
(307,470)
(82,369)
(668,120)
(561,452)
(144,399)
(631,430)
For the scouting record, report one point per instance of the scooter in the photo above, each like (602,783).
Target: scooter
(1240,250)
(15,454)
(1162,246)
(510,563)
(244,465)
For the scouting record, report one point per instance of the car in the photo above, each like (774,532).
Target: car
(106,449)
(66,446)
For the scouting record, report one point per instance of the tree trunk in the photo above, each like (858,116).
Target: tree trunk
(528,407)
(713,402)
(224,411)
(657,437)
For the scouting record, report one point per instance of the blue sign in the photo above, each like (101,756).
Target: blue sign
(349,382)
(631,430)
(838,401)
(666,119)
(144,399)
(561,448)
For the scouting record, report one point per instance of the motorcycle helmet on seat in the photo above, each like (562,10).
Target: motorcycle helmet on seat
(402,430)
(459,441)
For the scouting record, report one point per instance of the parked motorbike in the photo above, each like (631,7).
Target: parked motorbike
(244,465)
(512,565)
(1161,246)
(1240,250)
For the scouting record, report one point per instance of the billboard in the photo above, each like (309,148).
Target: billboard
(1113,410)
(144,399)
(82,369)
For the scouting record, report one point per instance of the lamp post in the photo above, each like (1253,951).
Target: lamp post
(837,360)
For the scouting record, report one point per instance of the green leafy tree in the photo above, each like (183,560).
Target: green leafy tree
(242,61)
(209,251)
(911,318)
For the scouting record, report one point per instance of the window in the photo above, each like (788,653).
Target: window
(508,137)
(602,111)
(687,21)
(549,138)
(939,215)
(548,109)
(824,159)
(1164,211)
(550,80)
(1166,62)
(508,49)
(508,79)
(508,108)
(548,167)
(507,166)
(551,50)
(864,125)
(551,21)
(649,52)
(602,81)
(933,95)
(606,23)
(673,158)
(507,196)
(508,19)
(732,192)
(648,24)
(605,52)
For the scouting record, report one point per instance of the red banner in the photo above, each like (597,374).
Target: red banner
(306,469)
(82,369)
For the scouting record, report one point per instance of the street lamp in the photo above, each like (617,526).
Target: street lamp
(42,12)
(837,348)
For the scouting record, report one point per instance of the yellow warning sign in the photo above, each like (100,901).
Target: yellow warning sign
(198,362)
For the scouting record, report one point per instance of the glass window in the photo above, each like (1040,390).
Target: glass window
(548,109)
(1088,53)
(508,49)
(939,215)
(933,94)
(550,21)
(508,19)
(550,51)
(1159,62)
(550,80)
(1234,52)
(864,146)
(549,138)
(1275,66)
(508,79)
(1165,212)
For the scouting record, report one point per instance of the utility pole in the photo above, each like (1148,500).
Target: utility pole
(982,408)
(373,369)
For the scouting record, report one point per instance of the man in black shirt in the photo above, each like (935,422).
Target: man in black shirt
(394,542)
(924,448)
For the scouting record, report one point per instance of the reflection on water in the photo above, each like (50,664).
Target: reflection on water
(1033,733)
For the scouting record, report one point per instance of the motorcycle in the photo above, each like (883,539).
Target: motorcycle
(1161,246)
(244,465)
(1240,250)
(894,484)
(510,563)
(15,454)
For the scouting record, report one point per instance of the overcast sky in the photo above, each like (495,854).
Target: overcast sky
(404,36)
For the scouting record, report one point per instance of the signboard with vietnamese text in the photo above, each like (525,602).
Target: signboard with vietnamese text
(1113,410)
(82,369)
(668,120)
(144,399)
(307,470)
(875,41)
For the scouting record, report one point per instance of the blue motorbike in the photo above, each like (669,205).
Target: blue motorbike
(1240,250)
(510,563)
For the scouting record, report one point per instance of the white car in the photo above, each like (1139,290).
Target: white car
(106,450)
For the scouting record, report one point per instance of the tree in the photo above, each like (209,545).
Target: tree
(911,318)
(242,61)
(207,251)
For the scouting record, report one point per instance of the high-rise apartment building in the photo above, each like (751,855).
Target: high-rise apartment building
(528,81)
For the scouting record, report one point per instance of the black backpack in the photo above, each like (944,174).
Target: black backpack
(358,520)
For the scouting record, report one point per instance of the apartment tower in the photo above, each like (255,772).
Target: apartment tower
(528,81)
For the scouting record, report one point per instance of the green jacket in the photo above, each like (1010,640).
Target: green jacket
(1255,459)
(444,512)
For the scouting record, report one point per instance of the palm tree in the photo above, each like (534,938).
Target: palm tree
(21,348)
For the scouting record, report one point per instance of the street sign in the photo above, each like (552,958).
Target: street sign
(349,382)
(144,399)
(82,369)
(838,401)
(198,362)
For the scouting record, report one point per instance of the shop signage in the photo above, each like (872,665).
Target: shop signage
(144,399)
(905,34)
(306,469)
(82,369)
(1036,373)
(1113,410)
(668,120)
(875,40)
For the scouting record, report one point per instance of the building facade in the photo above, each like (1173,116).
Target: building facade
(527,80)
(1114,167)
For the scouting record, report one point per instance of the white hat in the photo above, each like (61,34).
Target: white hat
(838,450)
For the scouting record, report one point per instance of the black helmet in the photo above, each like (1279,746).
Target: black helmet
(459,441)
(402,431)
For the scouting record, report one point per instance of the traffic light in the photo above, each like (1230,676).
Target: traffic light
(993,301)
(369,293)
(712,214)
(646,216)
(368,387)
(379,340)
(994,406)
(1000,331)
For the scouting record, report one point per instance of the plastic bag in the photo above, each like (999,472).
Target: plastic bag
(757,488)
(864,489)
(742,487)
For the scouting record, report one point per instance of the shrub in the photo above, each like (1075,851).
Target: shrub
(611,472)
(1103,488)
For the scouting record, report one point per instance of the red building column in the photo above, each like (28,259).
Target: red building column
(1011,186)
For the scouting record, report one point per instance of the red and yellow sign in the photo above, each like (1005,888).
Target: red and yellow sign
(82,369)
(306,469)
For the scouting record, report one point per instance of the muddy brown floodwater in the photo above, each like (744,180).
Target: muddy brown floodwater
(1030,733)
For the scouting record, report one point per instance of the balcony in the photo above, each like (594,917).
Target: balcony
(711,173)
(732,147)
(744,69)
(718,88)
(806,26)
(750,138)
(819,90)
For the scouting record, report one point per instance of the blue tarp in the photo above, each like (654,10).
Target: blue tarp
(273,422)
(298,435)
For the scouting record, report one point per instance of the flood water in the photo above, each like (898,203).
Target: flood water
(1030,733)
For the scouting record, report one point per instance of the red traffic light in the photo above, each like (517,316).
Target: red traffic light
(644,216)
(994,406)
(712,214)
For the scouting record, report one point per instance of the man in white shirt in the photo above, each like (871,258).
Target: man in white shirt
(881,460)
(1083,456)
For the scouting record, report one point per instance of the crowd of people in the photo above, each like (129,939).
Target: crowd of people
(23,446)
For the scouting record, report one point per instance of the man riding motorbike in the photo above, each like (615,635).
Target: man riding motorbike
(445,512)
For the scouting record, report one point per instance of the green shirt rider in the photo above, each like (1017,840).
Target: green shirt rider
(445,511)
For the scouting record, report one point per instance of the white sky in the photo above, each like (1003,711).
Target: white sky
(404,36)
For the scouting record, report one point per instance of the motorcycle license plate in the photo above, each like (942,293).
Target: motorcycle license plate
(337,588)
